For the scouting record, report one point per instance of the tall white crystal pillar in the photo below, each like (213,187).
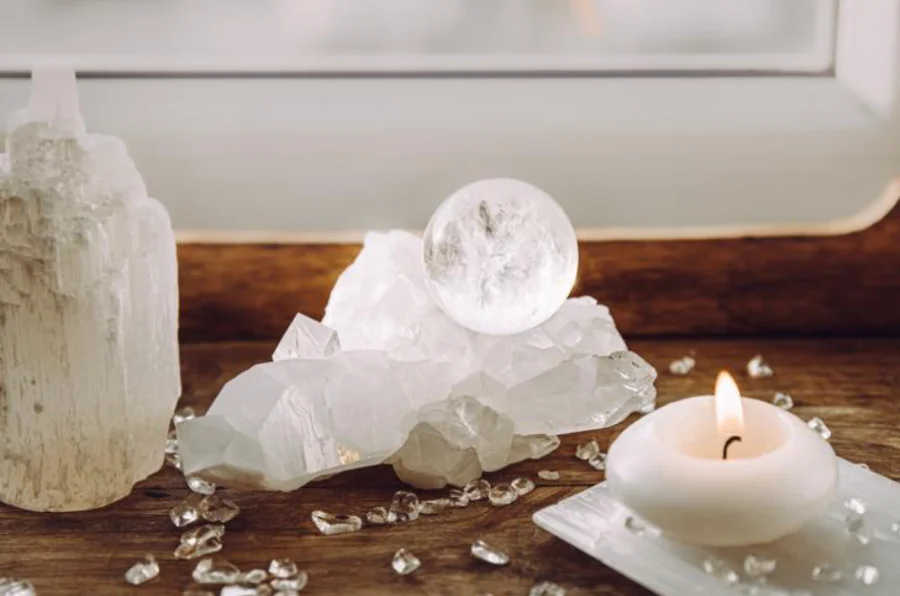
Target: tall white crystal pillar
(89,372)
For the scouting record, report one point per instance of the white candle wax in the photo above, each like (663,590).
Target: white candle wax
(669,469)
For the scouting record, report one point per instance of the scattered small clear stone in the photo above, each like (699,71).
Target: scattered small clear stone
(477,490)
(856,505)
(253,577)
(405,562)
(547,589)
(200,541)
(598,462)
(331,524)
(682,366)
(826,573)
(720,570)
(200,486)
(758,566)
(548,475)
(484,551)
(215,571)
(219,510)
(522,486)
(783,401)
(758,369)
(283,568)
(405,506)
(502,494)
(185,513)
(141,572)
(587,450)
(172,443)
(380,515)
(433,506)
(638,527)
(867,575)
(290,584)
(819,428)
(10,586)
(458,498)
(186,413)
(174,460)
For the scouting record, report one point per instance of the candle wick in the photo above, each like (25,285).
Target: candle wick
(728,444)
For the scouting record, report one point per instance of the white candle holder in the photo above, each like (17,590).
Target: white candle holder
(594,522)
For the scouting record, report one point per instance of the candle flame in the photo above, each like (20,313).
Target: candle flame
(729,410)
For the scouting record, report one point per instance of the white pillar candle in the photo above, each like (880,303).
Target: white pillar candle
(722,470)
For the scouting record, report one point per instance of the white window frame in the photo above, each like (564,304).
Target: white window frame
(311,154)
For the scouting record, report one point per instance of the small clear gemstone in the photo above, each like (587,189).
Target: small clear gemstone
(290,584)
(405,562)
(200,486)
(458,498)
(587,450)
(405,506)
(336,523)
(682,366)
(186,413)
(433,506)
(502,494)
(219,510)
(141,572)
(758,566)
(826,573)
(819,428)
(172,443)
(548,475)
(856,505)
(598,462)
(477,490)
(783,401)
(185,513)
(547,589)
(283,568)
(758,369)
(380,515)
(867,575)
(253,577)
(215,571)
(174,460)
(200,541)
(484,551)
(721,570)
(522,486)
(11,586)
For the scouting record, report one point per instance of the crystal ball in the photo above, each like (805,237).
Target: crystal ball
(500,256)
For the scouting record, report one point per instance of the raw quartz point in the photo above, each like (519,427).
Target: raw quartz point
(682,366)
(434,506)
(186,512)
(819,427)
(142,571)
(477,490)
(88,311)
(757,368)
(587,450)
(218,510)
(283,568)
(409,386)
(783,401)
(522,486)
(458,498)
(10,586)
(329,524)
(500,256)
(484,551)
(548,474)
(183,414)
(598,462)
(404,562)
(502,495)
(199,485)
(307,338)
(547,589)
(200,541)
(380,516)
(404,506)
(210,571)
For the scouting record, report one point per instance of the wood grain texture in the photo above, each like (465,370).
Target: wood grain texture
(835,284)
(851,384)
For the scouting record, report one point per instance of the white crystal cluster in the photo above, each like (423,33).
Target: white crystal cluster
(387,376)
(89,372)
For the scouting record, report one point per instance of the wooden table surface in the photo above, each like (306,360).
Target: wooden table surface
(849,383)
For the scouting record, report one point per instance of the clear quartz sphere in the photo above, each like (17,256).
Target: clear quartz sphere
(500,256)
